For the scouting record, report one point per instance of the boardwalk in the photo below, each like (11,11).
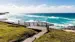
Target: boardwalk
(36,36)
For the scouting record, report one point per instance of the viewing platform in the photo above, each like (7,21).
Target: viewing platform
(29,23)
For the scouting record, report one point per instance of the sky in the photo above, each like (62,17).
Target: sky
(37,6)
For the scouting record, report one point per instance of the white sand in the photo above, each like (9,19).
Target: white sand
(70,30)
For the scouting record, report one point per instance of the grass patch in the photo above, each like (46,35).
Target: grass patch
(9,32)
(57,36)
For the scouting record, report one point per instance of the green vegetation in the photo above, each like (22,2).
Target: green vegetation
(57,36)
(10,32)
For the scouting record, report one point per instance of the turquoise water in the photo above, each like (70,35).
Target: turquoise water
(58,19)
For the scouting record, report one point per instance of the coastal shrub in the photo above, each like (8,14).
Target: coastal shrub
(11,33)
(57,36)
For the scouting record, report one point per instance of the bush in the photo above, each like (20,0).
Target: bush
(57,36)
(12,33)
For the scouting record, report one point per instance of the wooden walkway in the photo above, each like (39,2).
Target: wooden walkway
(37,27)
(36,36)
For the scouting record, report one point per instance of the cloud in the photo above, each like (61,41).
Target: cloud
(37,9)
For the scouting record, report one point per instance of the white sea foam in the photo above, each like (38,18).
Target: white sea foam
(13,20)
(72,22)
(34,16)
(65,25)
(2,16)
(53,17)
(68,19)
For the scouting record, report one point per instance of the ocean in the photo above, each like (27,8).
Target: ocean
(58,19)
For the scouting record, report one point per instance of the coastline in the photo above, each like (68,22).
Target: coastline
(70,30)
(34,23)
(20,22)
(57,20)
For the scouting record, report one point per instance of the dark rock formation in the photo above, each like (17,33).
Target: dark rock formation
(4,13)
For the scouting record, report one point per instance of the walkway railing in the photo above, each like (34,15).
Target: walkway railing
(44,24)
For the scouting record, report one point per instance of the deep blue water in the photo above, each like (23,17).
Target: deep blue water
(66,15)
(59,19)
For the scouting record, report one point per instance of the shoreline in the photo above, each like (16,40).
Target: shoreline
(35,22)
(20,22)
(69,30)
